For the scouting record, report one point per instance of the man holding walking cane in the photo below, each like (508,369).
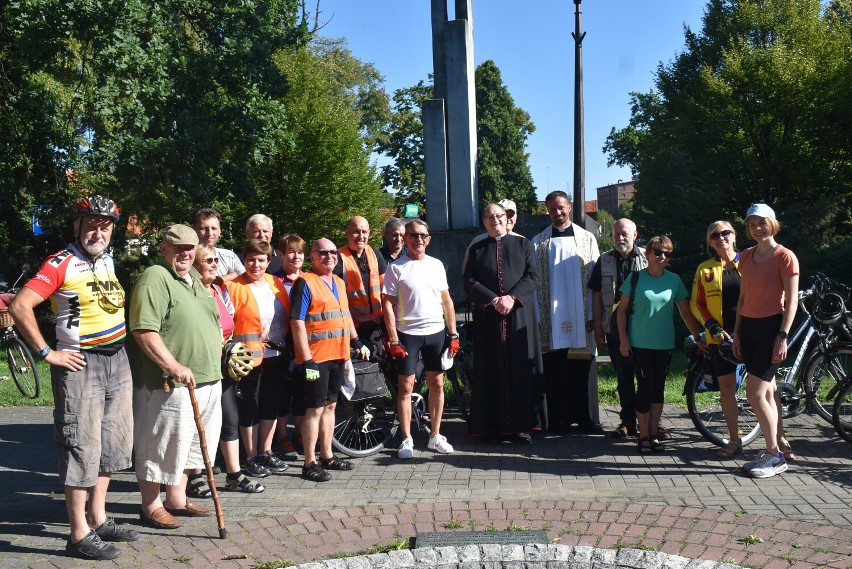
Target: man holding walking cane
(178,343)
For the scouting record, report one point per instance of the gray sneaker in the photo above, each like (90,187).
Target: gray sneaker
(272,463)
(91,547)
(768,465)
(111,531)
(254,467)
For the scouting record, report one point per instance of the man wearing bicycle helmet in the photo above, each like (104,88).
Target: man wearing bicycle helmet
(93,419)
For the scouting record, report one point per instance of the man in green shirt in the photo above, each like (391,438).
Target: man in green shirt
(175,326)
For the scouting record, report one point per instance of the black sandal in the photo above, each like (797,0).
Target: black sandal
(335,463)
(315,473)
(644,446)
(657,446)
(198,488)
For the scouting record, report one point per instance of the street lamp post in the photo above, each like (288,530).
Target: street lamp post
(579,152)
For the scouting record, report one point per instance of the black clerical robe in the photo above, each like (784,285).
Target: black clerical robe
(507,368)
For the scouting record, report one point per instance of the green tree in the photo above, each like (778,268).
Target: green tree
(606,221)
(502,130)
(754,109)
(402,142)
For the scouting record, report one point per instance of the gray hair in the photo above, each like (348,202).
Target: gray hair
(419,222)
(393,224)
(258,218)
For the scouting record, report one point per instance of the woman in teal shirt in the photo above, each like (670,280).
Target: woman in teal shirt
(651,337)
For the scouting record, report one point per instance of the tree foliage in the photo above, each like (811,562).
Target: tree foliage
(502,130)
(170,106)
(755,108)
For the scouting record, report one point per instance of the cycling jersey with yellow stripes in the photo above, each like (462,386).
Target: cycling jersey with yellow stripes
(86,298)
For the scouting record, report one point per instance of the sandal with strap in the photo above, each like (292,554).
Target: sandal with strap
(315,473)
(730,450)
(242,484)
(198,488)
(784,446)
(656,445)
(335,463)
(644,446)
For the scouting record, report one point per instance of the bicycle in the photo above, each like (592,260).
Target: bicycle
(461,374)
(18,356)
(815,387)
(367,422)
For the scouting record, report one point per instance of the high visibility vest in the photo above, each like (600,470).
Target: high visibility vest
(247,326)
(365,306)
(327,320)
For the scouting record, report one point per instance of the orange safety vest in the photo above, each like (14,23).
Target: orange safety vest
(365,306)
(247,326)
(327,320)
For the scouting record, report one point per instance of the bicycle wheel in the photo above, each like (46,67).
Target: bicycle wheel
(23,368)
(823,374)
(364,427)
(461,377)
(841,411)
(705,410)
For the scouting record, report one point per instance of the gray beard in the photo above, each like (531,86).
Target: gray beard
(623,248)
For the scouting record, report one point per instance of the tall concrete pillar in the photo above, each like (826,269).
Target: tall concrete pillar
(461,131)
(435,164)
(452,55)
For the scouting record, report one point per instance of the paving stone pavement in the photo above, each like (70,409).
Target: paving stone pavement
(583,490)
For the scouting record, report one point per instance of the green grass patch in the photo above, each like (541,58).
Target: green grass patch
(10,396)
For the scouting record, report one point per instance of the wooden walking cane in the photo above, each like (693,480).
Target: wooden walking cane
(202,437)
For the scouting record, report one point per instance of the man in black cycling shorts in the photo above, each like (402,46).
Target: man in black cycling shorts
(322,334)
(417,308)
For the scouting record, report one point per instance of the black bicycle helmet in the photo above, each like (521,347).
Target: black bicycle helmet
(96,205)
(726,352)
(828,308)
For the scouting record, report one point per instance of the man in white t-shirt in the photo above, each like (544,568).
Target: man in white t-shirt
(418,310)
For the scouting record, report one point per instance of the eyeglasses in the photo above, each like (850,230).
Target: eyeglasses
(663,252)
(495,216)
(326,252)
(415,236)
(210,260)
(720,234)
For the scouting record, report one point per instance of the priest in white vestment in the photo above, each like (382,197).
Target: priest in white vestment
(565,255)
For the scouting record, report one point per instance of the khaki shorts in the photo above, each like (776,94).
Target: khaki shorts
(167,440)
(93,418)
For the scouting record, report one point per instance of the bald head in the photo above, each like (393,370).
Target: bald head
(357,233)
(323,256)
(624,236)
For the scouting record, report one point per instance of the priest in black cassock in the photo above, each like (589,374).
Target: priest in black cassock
(500,277)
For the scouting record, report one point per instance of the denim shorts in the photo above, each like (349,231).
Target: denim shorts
(93,418)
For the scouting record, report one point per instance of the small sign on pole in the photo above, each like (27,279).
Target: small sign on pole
(411,210)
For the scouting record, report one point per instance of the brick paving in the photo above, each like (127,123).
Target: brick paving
(582,490)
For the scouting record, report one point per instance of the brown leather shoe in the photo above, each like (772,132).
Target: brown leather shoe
(159,519)
(192,510)
(623,430)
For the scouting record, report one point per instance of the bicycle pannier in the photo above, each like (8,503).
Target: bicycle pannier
(369,380)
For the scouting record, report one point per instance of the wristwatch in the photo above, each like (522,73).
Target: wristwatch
(783,334)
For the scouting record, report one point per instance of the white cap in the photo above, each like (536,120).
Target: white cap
(760,210)
(508,205)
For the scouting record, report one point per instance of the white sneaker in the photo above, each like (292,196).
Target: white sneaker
(768,465)
(406,449)
(439,443)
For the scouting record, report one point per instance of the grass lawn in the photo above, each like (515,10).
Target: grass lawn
(9,394)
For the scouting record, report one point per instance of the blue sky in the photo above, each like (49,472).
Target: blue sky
(531,43)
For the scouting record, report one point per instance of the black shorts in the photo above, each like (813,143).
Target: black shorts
(757,339)
(719,365)
(428,347)
(324,390)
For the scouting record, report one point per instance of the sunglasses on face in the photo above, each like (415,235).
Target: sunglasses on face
(663,252)
(211,261)
(416,236)
(720,234)
(326,252)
